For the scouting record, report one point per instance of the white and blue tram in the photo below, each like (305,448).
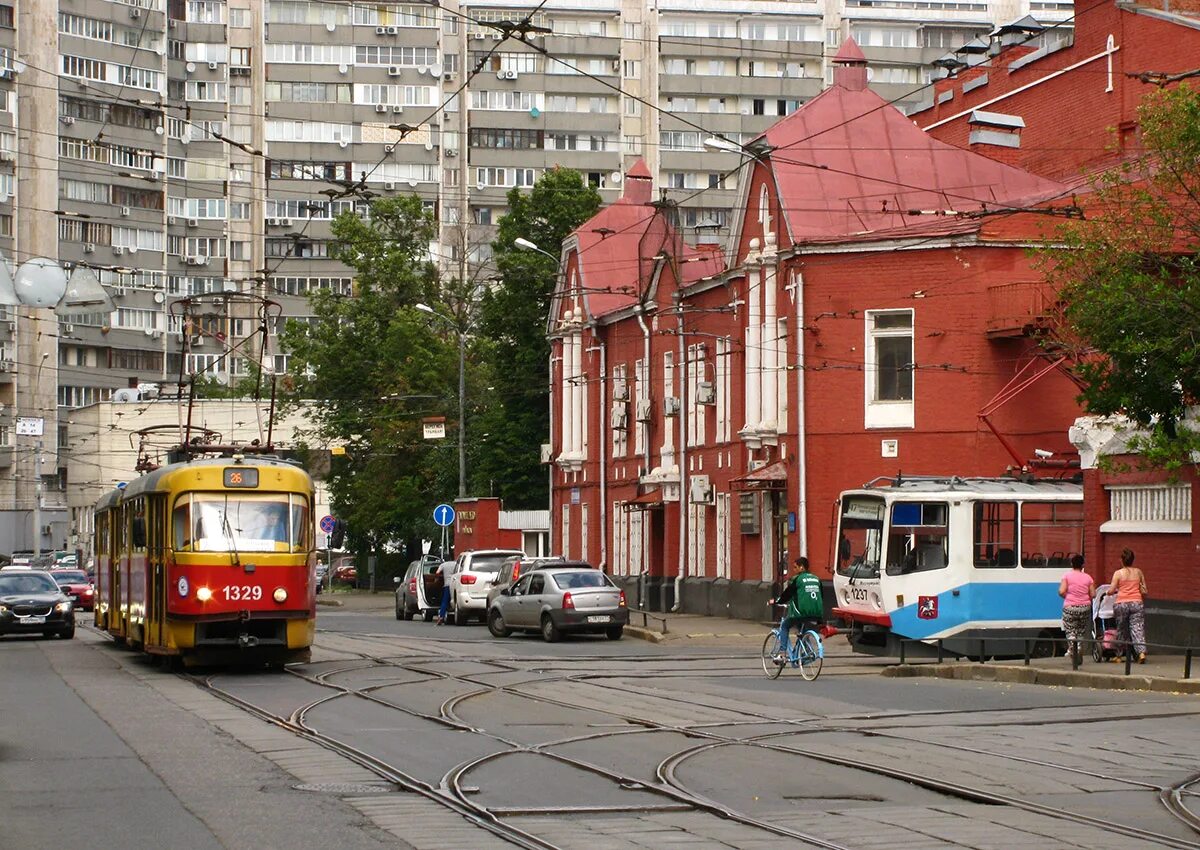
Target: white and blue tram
(956,559)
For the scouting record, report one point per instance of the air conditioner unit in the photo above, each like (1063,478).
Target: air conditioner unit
(644,411)
(196,261)
(135,13)
(67,119)
(118,250)
(397,109)
(124,211)
(448,77)
(212,66)
(5,365)
(479,36)
(671,406)
(170,220)
(193,222)
(89,247)
(389,186)
(706,393)
(619,417)
(381,107)
(172,23)
(392,30)
(620,390)
(451,152)
(7,156)
(497,36)
(393,70)
(511,75)
(700,491)
(380,30)
(68,329)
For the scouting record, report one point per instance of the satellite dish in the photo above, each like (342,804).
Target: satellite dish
(40,283)
(191,66)
(126,395)
(84,294)
(535,112)
(615,177)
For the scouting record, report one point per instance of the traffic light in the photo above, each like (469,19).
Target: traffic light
(338,537)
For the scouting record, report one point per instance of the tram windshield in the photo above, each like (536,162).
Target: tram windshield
(860,537)
(242,522)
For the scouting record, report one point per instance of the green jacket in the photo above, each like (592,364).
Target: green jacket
(803,597)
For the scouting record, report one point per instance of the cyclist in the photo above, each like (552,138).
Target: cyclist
(805,607)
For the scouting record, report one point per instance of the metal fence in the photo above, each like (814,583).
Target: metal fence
(1096,649)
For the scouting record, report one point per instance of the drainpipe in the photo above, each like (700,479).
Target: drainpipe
(801,433)
(681,368)
(639,312)
(604,444)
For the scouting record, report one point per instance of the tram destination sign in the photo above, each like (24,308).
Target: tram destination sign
(241,476)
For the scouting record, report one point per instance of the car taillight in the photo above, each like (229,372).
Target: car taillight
(568,602)
(412,586)
(621,602)
(516,572)
(467,579)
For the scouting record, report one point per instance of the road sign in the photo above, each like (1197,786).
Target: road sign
(443,515)
(30,426)
(327,524)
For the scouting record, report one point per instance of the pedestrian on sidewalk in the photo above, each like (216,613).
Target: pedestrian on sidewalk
(444,574)
(1130,585)
(805,606)
(1077,590)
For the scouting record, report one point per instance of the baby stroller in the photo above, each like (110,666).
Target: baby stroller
(1105,640)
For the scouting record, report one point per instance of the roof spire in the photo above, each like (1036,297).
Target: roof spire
(850,67)
(639,184)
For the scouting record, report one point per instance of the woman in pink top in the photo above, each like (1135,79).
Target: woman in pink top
(1077,590)
(1129,584)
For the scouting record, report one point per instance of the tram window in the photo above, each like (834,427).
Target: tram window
(300,523)
(860,537)
(1051,532)
(995,534)
(242,522)
(918,539)
(137,525)
(181,522)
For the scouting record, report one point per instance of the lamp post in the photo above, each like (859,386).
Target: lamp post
(522,242)
(462,395)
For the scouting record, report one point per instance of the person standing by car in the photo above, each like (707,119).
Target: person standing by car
(805,608)
(1129,584)
(444,573)
(1077,590)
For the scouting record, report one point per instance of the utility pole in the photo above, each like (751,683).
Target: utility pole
(462,413)
(37,503)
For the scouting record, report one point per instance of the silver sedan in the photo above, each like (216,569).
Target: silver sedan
(560,600)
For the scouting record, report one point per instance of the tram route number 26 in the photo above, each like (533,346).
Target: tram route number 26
(241,593)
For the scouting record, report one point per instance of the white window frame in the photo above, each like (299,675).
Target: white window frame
(886,413)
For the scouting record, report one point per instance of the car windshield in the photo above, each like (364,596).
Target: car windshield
(487,563)
(70,577)
(28,583)
(220,522)
(571,581)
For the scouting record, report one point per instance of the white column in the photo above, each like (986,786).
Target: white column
(753,347)
(573,385)
(770,367)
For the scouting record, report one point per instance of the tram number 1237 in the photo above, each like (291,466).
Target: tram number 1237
(858,594)
(239,593)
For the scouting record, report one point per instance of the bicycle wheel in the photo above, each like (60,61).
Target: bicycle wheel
(810,656)
(773,660)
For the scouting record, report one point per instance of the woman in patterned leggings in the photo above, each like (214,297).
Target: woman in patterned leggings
(1077,590)
(1130,609)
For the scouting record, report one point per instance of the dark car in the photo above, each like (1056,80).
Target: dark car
(31,601)
(77,585)
(409,586)
(555,600)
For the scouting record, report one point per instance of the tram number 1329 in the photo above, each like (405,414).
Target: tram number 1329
(239,593)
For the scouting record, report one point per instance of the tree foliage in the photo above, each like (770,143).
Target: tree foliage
(374,365)
(512,323)
(1130,281)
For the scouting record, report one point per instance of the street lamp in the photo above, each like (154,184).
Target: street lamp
(522,242)
(755,150)
(462,395)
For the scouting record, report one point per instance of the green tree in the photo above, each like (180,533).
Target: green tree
(1130,282)
(512,323)
(374,366)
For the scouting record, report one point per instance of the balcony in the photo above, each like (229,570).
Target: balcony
(1019,309)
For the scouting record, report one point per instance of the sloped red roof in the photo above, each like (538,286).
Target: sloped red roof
(848,164)
(610,247)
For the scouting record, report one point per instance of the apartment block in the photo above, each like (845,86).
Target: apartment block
(201,148)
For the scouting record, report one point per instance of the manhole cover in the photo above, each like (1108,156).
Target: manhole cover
(344,788)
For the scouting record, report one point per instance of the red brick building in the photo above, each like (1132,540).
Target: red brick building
(1075,102)
(871,320)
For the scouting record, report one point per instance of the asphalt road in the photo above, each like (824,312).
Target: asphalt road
(410,734)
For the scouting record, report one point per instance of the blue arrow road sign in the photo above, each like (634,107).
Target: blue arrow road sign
(327,524)
(443,515)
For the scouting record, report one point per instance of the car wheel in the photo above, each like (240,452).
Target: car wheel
(460,617)
(496,625)
(68,632)
(399,613)
(428,615)
(408,612)
(550,632)
(614,633)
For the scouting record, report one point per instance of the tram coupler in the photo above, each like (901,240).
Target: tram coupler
(246,641)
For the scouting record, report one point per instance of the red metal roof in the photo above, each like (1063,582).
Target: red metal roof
(848,164)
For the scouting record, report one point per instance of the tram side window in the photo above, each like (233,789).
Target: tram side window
(137,525)
(995,534)
(1051,533)
(918,539)
(300,523)
(181,523)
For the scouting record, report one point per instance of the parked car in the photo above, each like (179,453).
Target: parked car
(77,585)
(31,601)
(473,575)
(322,571)
(345,572)
(419,590)
(555,600)
(516,566)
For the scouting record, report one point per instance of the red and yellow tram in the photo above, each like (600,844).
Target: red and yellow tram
(211,561)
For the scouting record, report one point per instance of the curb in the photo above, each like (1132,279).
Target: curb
(332,603)
(644,634)
(1033,676)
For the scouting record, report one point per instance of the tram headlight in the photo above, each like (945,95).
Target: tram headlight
(203,594)
(280,595)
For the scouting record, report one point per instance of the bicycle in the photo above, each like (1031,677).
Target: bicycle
(807,653)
